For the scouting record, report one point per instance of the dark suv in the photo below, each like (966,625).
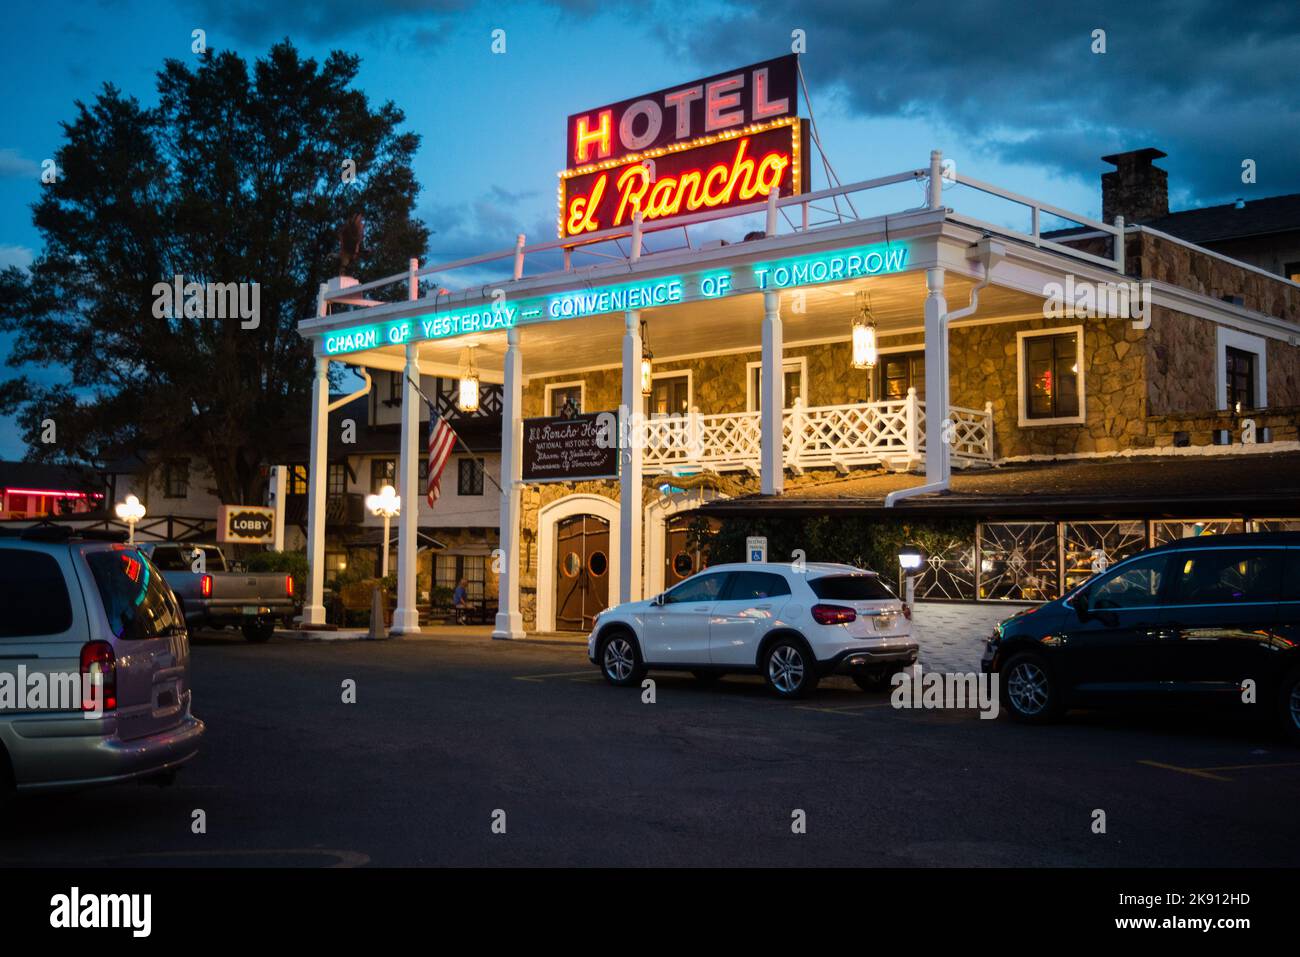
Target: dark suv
(1195,617)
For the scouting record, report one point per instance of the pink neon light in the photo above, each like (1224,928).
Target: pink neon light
(51,493)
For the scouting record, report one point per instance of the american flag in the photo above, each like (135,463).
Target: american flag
(441,441)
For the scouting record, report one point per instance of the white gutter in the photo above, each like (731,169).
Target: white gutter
(990,253)
(364,390)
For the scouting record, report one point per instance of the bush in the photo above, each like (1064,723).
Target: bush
(290,563)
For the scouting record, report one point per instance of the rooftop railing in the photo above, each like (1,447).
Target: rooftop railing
(805,213)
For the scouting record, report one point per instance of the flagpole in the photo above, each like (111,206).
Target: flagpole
(433,411)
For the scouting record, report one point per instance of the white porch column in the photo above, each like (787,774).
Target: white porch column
(937,452)
(772,389)
(406,619)
(629,492)
(510,623)
(313,612)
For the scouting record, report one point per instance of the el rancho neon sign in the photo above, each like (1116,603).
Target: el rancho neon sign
(722,141)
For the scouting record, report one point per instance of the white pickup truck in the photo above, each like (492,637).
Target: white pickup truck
(214,596)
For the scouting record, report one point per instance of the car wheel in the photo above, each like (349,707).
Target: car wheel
(789,668)
(707,677)
(258,630)
(1289,706)
(1029,690)
(620,660)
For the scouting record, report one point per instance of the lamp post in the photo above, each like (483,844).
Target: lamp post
(387,504)
(130,511)
(910,559)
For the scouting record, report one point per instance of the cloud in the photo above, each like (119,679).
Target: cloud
(19,256)
(14,165)
(325,20)
(1210,82)
(486,224)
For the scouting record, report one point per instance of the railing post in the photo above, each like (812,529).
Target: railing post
(1036,225)
(694,433)
(936,179)
(795,452)
(519,256)
(1119,245)
(912,413)
(413,290)
(636,237)
(772,197)
(988,430)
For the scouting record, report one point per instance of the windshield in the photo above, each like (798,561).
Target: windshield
(137,601)
(850,588)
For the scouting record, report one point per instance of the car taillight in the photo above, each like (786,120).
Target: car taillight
(205,586)
(288,586)
(907,611)
(833,614)
(97,659)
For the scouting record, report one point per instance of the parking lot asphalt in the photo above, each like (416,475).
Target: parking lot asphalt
(450,736)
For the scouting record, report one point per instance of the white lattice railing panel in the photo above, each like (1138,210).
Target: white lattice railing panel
(890,433)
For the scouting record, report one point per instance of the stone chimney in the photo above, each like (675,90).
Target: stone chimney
(1135,189)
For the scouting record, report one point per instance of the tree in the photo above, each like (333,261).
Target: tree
(235,176)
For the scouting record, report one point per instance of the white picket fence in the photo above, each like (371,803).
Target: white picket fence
(890,433)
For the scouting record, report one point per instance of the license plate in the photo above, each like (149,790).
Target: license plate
(250,609)
(885,622)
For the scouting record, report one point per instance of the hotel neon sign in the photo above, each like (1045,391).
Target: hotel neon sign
(837,266)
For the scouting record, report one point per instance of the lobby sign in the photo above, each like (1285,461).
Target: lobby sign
(245,524)
(721,141)
(834,266)
(569,448)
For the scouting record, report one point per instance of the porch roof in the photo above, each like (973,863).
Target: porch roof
(1258,484)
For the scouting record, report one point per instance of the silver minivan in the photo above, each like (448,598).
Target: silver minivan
(72,607)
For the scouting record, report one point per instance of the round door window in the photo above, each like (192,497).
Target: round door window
(597,563)
(571,565)
(683,564)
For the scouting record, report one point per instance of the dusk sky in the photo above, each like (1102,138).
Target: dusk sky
(1009,90)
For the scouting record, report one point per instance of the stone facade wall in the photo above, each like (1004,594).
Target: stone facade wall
(1214,277)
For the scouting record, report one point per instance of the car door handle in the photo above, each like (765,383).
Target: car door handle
(701,608)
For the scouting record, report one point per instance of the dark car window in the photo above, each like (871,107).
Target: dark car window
(1291,576)
(136,599)
(850,588)
(745,586)
(1136,585)
(168,558)
(703,588)
(1226,576)
(33,595)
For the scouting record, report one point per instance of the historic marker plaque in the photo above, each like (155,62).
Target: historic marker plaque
(566,449)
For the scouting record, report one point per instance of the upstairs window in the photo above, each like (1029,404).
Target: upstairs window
(176,478)
(470,477)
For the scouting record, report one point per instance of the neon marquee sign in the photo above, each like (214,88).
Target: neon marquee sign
(723,141)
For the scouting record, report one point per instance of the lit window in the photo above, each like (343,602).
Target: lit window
(1051,376)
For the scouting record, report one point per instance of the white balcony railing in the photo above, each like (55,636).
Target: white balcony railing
(889,434)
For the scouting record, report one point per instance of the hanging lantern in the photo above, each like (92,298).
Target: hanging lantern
(864,335)
(467,399)
(647,365)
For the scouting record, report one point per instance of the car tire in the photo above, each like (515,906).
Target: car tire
(1030,692)
(258,631)
(789,668)
(707,677)
(620,660)
(1288,706)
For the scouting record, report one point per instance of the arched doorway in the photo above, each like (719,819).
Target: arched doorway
(549,519)
(581,571)
(684,553)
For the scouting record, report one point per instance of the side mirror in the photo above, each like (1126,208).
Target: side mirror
(1079,603)
(658,599)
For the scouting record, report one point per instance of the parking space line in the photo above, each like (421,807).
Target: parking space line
(557,674)
(848,709)
(1210,772)
(1194,772)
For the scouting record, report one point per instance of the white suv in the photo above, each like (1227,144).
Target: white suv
(791,624)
